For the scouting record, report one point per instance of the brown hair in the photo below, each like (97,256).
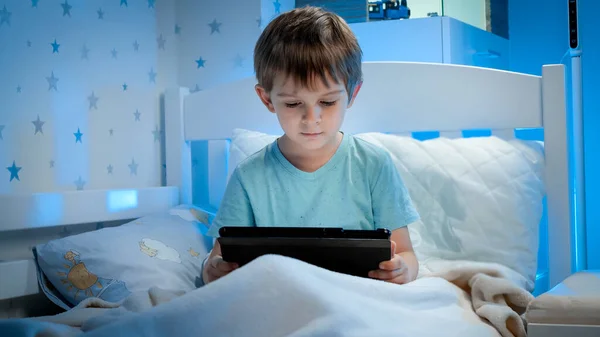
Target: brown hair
(308,43)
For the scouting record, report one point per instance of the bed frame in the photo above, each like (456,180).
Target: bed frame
(424,96)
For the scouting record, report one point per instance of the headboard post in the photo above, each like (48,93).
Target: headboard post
(178,156)
(558,179)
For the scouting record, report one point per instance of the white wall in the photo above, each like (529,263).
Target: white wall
(49,157)
(117,150)
(467,11)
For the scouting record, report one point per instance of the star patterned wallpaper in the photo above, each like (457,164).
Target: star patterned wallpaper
(80,83)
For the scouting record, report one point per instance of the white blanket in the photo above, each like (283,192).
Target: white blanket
(279,296)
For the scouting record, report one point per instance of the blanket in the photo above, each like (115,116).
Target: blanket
(279,296)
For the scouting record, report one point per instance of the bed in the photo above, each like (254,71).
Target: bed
(415,110)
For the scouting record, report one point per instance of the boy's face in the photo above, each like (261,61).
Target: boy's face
(310,118)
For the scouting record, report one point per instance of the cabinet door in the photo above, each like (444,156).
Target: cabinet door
(413,40)
(468,45)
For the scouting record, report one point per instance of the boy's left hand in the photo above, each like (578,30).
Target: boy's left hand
(394,270)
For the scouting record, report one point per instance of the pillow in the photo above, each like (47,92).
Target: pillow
(480,199)
(245,143)
(165,250)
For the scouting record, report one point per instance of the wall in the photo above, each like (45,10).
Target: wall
(351,10)
(80,88)
(544,40)
(589,28)
(79,93)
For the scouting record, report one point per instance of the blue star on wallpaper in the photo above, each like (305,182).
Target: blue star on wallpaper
(161,42)
(124,86)
(1,128)
(78,135)
(136,46)
(137,115)
(277,6)
(14,171)
(5,16)
(152,75)
(34,3)
(259,22)
(84,52)
(133,167)
(214,26)
(28,43)
(55,46)
(52,81)
(19,89)
(114,53)
(100,14)
(79,183)
(93,101)
(38,125)
(124,2)
(177,29)
(51,163)
(66,8)
(111,131)
(151,3)
(109,169)
(200,62)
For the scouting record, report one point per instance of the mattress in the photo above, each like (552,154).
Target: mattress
(576,300)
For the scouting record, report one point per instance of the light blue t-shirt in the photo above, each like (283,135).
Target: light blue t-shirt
(358,188)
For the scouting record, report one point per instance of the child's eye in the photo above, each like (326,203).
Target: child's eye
(331,103)
(291,105)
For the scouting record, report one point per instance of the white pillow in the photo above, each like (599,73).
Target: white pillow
(480,199)
(245,143)
(165,249)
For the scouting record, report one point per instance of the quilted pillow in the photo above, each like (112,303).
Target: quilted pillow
(245,143)
(480,199)
(165,250)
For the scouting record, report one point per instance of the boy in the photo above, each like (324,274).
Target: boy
(308,66)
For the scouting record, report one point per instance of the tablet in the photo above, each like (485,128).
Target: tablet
(353,252)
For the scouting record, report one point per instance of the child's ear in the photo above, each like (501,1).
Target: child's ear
(354,94)
(264,97)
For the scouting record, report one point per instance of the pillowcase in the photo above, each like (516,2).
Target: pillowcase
(245,143)
(480,199)
(165,250)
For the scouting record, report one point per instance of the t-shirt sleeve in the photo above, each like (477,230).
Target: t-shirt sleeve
(392,205)
(235,208)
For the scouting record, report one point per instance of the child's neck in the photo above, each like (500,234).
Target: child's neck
(309,161)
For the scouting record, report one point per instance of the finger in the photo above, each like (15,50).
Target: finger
(218,263)
(226,267)
(393,246)
(400,279)
(386,274)
(397,262)
(390,265)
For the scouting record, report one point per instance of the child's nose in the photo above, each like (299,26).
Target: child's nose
(312,115)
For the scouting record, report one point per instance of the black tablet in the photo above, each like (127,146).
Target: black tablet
(353,252)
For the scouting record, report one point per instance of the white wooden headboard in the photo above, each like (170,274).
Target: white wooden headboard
(398,97)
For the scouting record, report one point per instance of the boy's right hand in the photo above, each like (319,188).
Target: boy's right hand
(215,268)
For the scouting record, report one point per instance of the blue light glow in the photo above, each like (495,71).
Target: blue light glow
(117,201)
(49,210)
